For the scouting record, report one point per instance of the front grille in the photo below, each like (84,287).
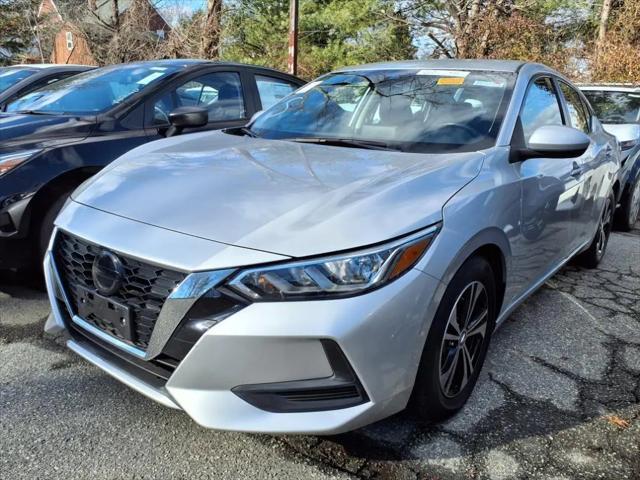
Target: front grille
(144,289)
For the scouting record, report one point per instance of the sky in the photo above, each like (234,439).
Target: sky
(173,9)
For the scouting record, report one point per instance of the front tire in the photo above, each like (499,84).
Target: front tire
(457,343)
(592,257)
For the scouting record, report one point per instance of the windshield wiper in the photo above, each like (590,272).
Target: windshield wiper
(246,131)
(344,142)
(31,112)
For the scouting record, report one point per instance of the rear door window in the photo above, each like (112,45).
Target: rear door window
(578,113)
(272,90)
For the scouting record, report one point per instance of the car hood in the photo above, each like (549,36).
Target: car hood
(41,131)
(283,197)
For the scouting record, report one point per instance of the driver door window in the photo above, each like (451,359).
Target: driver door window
(540,107)
(220,93)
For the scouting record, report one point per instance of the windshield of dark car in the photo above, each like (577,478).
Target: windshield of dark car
(615,107)
(10,76)
(409,110)
(92,92)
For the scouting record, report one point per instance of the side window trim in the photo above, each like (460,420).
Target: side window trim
(566,116)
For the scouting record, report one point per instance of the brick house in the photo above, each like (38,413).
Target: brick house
(70,45)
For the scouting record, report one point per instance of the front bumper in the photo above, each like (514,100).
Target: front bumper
(381,335)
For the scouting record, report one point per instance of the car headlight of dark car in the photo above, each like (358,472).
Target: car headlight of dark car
(9,161)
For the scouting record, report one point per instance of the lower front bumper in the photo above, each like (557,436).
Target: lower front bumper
(381,335)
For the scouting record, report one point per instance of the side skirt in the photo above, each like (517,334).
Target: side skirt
(516,303)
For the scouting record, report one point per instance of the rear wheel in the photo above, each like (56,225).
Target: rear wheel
(595,253)
(627,214)
(457,342)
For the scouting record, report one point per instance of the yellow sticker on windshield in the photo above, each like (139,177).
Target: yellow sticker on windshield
(450,81)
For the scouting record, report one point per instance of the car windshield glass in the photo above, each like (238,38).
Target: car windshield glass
(92,92)
(615,107)
(408,110)
(10,76)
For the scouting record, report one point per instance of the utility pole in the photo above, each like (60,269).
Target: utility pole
(293,37)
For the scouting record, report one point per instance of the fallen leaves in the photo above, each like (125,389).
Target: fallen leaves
(618,421)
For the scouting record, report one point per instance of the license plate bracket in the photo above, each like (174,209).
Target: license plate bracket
(108,315)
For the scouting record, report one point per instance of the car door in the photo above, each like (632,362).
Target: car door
(549,188)
(222,92)
(592,164)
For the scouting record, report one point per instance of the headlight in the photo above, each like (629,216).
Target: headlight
(328,277)
(9,161)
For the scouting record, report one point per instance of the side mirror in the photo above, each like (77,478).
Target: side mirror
(628,134)
(557,141)
(186,117)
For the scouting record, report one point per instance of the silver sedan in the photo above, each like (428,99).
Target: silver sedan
(346,255)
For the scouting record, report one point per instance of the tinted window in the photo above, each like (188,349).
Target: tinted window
(93,92)
(408,110)
(577,111)
(220,93)
(10,76)
(615,107)
(540,107)
(272,90)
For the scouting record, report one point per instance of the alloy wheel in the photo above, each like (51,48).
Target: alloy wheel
(464,338)
(604,228)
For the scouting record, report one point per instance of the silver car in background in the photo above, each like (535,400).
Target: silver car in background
(618,108)
(346,255)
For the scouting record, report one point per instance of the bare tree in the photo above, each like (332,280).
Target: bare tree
(604,21)
(211,31)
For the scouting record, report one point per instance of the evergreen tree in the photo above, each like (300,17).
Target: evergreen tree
(333,33)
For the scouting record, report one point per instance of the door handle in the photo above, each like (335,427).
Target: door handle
(576,170)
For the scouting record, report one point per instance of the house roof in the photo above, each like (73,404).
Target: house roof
(104,8)
(103,11)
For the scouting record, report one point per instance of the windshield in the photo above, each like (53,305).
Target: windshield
(407,110)
(615,107)
(10,76)
(91,92)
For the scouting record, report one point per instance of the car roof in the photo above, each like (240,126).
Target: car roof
(189,63)
(610,87)
(45,66)
(453,64)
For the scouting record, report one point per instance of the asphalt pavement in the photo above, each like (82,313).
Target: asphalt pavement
(558,398)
